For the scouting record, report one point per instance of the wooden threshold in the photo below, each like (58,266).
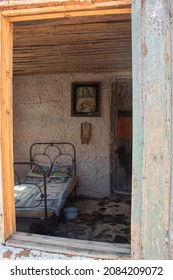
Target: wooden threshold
(73,247)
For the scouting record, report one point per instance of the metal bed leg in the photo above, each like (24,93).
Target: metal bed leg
(75,192)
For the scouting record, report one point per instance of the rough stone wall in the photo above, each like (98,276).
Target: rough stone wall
(42,112)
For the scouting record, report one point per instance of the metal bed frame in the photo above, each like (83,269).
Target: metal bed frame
(32,162)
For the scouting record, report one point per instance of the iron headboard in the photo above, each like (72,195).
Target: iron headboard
(60,152)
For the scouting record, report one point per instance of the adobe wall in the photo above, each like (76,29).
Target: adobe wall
(42,112)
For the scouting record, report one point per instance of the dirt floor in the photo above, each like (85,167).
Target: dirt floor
(102,220)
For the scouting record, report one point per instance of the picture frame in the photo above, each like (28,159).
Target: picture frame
(86,99)
(85,132)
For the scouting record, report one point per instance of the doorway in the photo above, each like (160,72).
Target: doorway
(10,183)
(121,146)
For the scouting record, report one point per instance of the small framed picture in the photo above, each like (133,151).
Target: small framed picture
(86,99)
(85,132)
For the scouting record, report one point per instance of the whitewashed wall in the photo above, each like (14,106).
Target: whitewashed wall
(42,112)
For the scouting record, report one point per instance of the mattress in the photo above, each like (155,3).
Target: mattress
(29,201)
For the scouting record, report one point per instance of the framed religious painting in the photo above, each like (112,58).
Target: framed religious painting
(86,99)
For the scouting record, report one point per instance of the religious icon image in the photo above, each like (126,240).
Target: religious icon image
(86,99)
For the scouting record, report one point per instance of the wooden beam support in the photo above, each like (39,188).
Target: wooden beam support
(152,130)
(7,222)
(1,185)
(68,4)
(67,9)
(28,15)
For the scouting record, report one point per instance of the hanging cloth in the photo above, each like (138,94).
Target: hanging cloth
(124,128)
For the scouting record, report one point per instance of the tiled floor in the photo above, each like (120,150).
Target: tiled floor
(101,220)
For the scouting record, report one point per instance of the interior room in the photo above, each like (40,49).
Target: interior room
(52,59)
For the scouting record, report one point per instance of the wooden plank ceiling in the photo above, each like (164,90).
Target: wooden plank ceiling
(83,44)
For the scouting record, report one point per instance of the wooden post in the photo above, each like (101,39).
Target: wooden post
(152,129)
(7,210)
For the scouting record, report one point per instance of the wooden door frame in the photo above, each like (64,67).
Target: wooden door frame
(7,223)
(8,17)
(146,229)
(152,129)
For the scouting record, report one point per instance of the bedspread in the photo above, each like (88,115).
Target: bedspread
(29,202)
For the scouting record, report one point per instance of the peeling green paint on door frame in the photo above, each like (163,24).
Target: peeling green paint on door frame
(152,129)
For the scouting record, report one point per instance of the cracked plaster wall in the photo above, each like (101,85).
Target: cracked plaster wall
(42,112)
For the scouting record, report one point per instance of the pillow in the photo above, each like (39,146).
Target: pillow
(37,171)
(61,170)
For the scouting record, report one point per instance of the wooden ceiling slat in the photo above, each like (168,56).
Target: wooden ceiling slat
(92,43)
(64,45)
(72,24)
(119,57)
(70,36)
(54,31)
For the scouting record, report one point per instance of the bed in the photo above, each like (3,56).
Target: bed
(43,192)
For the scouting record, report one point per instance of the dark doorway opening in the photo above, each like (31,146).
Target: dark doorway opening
(121,147)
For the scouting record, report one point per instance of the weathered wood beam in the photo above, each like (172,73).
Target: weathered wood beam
(19,4)
(152,130)
(6,133)
(27,16)
(70,246)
